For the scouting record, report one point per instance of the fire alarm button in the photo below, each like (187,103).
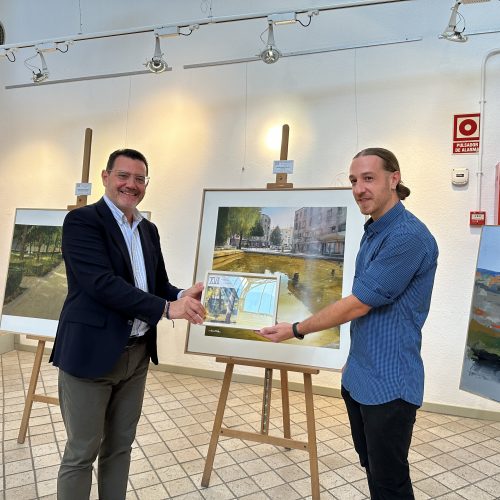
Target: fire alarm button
(477,218)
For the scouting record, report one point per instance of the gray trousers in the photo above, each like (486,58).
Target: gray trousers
(101,416)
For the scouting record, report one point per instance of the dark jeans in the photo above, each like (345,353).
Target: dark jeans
(382,437)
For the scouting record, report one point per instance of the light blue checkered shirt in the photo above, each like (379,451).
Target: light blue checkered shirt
(395,270)
(133,241)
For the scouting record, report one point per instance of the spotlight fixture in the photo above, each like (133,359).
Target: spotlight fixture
(271,53)
(283,18)
(8,54)
(157,64)
(41,74)
(451,32)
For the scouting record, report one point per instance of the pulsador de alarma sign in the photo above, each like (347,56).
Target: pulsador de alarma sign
(466,134)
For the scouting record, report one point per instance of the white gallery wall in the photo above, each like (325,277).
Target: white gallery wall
(207,128)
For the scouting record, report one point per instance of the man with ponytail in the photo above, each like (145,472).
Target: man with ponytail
(383,378)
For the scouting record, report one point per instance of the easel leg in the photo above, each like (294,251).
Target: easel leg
(31,391)
(266,401)
(219,416)
(311,436)
(285,403)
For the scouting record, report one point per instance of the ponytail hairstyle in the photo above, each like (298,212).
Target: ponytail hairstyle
(390,165)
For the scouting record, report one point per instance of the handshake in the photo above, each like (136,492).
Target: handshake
(189,306)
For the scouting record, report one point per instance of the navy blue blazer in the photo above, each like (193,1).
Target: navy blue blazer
(102,302)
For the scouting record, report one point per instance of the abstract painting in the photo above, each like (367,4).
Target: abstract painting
(481,365)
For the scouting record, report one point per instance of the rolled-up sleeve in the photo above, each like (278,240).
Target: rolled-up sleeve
(390,272)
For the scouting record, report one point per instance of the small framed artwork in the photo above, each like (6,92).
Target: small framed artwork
(240,300)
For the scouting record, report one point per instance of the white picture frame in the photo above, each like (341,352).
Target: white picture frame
(36,310)
(297,298)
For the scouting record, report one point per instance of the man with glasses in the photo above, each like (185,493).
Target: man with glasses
(118,291)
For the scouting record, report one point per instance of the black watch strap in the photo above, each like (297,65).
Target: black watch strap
(296,333)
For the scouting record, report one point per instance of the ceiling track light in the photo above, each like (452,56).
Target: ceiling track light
(8,54)
(157,64)
(283,18)
(271,53)
(43,73)
(451,32)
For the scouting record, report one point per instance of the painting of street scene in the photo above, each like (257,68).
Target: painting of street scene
(302,246)
(240,300)
(481,366)
(36,279)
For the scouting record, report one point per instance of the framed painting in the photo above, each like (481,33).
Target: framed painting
(306,238)
(36,278)
(36,284)
(481,365)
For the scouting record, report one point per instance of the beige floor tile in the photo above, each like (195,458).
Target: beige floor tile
(254,467)
(351,473)
(347,492)
(243,487)
(139,466)
(451,496)
(47,487)
(450,480)
(46,473)
(219,492)
(429,467)
(330,479)
(291,473)
(334,461)
(260,495)
(486,467)
(155,492)
(180,486)
(431,487)
(267,480)
(473,492)
(186,455)
(143,479)
(19,479)
(283,491)
(171,473)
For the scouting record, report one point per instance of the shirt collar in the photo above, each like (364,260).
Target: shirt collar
(379,225)
(120,216)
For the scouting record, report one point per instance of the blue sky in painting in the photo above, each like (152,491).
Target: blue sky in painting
(489,249)
(282,217)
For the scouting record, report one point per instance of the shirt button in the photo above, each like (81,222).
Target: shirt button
(130,322)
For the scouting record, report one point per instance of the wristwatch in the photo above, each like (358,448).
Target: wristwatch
(296,333)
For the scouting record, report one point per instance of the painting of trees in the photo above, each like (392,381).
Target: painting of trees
(235,221)
(276,238)
(35,251)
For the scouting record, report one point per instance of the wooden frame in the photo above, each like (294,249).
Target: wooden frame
(325,257)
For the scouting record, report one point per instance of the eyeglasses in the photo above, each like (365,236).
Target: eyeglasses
(125,176)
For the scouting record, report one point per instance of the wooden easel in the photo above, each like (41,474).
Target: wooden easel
(264,437)
(31,396)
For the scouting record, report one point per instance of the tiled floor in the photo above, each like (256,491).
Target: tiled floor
(451,457)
